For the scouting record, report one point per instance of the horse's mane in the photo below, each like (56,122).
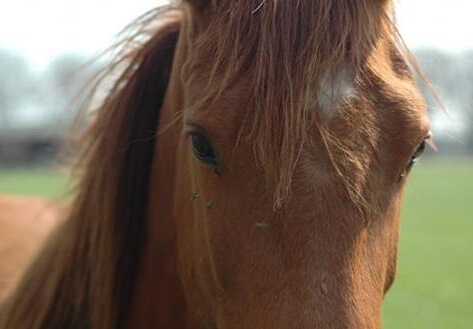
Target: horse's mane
(284,49)
(85,274)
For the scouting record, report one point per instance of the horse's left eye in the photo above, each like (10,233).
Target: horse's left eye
(417,154)
(203,149)
(420,150)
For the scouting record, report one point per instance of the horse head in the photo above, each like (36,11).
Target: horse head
(245,170)
(290,128)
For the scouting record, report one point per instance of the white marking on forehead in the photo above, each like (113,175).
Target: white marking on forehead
(336,89)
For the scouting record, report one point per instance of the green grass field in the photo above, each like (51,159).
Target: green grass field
(434,286)
(32,182)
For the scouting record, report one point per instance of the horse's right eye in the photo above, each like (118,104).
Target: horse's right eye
(203,149)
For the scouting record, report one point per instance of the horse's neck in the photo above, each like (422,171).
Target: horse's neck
(158,299)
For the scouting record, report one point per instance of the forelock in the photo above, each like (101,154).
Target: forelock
(283,49)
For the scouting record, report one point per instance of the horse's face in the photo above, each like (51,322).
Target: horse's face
(322,255)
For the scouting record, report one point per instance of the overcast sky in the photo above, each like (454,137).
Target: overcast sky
(42,29)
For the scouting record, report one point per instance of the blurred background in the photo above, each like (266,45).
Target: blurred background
(46,52)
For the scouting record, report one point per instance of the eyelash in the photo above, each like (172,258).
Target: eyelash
(417,154)
(203,149)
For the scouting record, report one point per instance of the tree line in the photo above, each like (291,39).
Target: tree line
(55,88)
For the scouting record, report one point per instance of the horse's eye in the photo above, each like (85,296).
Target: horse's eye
(203,149)
(419,151)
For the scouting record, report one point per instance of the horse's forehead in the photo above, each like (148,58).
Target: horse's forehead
(334,89)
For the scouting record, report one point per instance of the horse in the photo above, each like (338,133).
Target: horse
(245,170)
(25,222)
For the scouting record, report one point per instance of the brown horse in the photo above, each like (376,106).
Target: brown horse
(25,224)
(245,171)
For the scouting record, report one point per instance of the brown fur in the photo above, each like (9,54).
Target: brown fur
(283,50)
(25,224)
(300,228)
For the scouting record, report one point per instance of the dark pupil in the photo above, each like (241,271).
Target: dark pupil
(416,155)
(202,147)
(420,150)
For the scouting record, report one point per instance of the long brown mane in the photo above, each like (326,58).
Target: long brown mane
(85,274)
